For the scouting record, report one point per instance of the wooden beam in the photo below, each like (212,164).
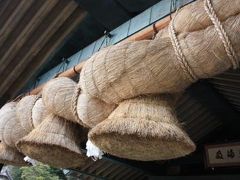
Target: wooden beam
(28,25)
(14,18)
(35,44)
(3,5)
(48,49)
(146,33)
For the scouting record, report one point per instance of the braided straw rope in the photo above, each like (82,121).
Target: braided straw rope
(74,105)
(222,33)
(179,53)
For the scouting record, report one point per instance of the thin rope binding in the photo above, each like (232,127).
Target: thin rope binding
(222,33)
(106,39)
(179,53)
(75,96)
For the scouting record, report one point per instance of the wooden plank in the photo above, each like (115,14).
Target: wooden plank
(130,175)
(138,176)
(88,165)
(160,9)
(104,168)
(24,57)
(117,173)
(204,93)
(120,33)
(139,22)
(87,174)
(148,32)
(48,49)
(20,39)
(74,60)
(87,51)
(113,169)
(13,19)
(122,175)
(3,6)
(97,165)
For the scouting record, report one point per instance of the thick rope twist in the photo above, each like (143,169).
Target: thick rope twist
(74,105)
(37,98)
(188,72)
(222,33)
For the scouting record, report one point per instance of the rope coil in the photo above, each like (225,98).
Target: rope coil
(222,33)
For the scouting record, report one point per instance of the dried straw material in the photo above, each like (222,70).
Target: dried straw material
(11,156)
(39,112)
(194,18)
(55,142)
(57,96)
(24,111)
(143,128)
(10,128)
(167,63)
(92,111)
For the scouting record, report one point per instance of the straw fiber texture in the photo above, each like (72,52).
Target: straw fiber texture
(11,156)
(57,96)
(55,142)
(93,110)
(143,128)
(24,111)
(39,112)
(10,128)
(189,49)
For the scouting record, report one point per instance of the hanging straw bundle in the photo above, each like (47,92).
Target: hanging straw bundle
(55,142)
(10,128)
(24,111)
(143,128)
(39,112)
(179,55)
(92,111)
(57,96)
(11,156)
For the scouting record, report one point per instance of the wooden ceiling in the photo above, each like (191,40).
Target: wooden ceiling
(30,32)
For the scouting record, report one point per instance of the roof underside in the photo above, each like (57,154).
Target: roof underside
(30,31)
(36,32)
(35,35)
